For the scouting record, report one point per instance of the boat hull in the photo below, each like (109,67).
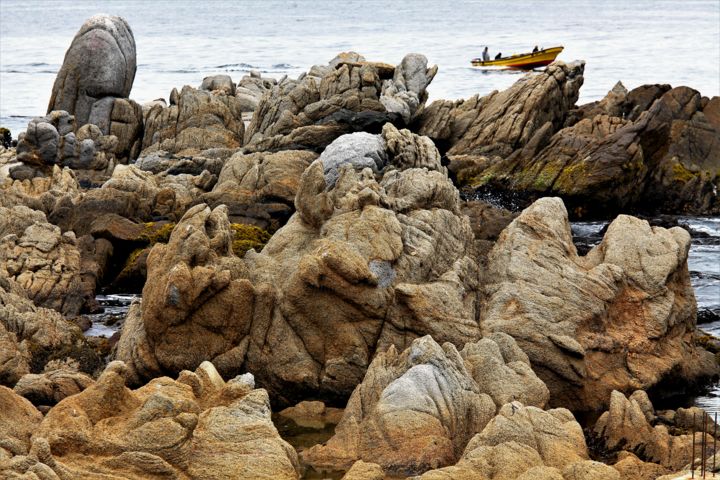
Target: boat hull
(526,61)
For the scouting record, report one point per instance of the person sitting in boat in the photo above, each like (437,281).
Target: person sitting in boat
(498,56)
(485,55)
(535,50)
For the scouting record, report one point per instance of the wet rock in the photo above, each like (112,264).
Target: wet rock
(260,188)
(352,96)
(196,121)
(197,426)
(99,63)
(313,414)
(366,263)
(627,313)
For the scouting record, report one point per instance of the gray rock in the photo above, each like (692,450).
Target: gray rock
(99,63)
(222,83)
(359,149)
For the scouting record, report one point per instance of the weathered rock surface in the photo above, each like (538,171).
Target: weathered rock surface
(664,159)
(53,139)
(39,193)
(195,120)
(99,63)
(362,264)
(123,119)
(31,337)
(351,96)
(260,188)
(527,443)
(625,426)
(218,83)
(619,318)
(43,261)
(18,420)
(632,468)
(198,426)
(505,121)
(49,387)
(251,88)
(417,410)
(364,471)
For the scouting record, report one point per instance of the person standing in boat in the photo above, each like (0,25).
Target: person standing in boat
(498,56)
(485,55)
(535,50)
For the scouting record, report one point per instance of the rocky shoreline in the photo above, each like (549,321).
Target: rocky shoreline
(316,258)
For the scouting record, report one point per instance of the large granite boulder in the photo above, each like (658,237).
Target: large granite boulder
(99,63)
(621,317)
(350,95)
(417,410)
(624,155)
(375,255)
(197,426)
(503,122)
(194,121)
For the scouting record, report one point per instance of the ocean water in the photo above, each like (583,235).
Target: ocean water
(180,42)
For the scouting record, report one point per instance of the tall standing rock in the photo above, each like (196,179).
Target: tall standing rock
(99,63)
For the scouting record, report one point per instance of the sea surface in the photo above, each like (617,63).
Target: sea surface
(180,42)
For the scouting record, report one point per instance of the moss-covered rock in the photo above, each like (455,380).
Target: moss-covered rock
(247,237)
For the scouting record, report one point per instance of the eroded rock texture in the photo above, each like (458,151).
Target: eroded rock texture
(651,150)
(368,260)
(194,121)
(621,317)
(349,96)
(197,426)
(417,410)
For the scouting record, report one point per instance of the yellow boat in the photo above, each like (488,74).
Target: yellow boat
(522,60)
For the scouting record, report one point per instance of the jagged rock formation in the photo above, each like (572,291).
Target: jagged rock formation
(39,193)
(651,150)
(417,410)
(503,122)
(628,425)
(350,96)
(43,261)
(195,120)
(364,263)
(31,337)
(622,317)
(18,421)
(197,426)
(530,444)
(54,139)
(95,80)
(260,188)
(251,88)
